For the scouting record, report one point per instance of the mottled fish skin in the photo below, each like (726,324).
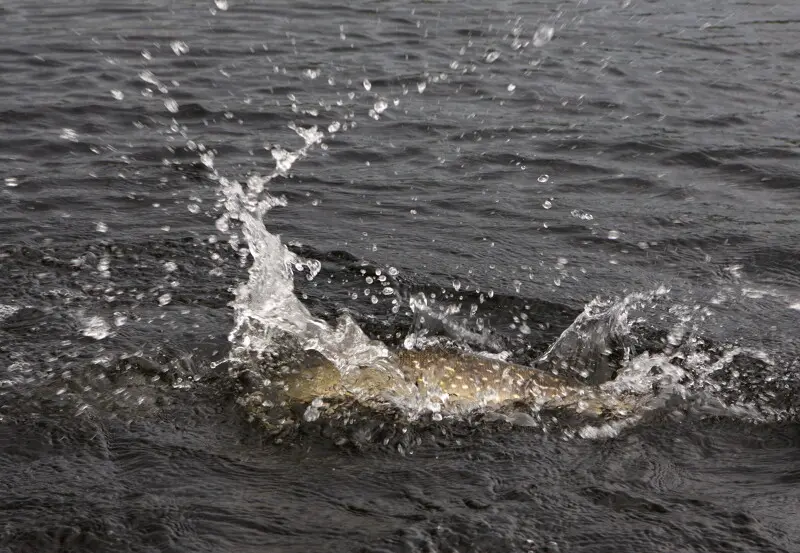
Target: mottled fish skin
(467,377)
(453,378)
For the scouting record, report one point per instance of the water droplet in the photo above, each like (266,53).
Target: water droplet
(543,178)
(12,182)
(613,234)
(388,291)
(373,299)
(311,73)
(393,271)
(170,266)
(193,208)
(456,285)
(311,413)
(117,94)
(511,87)
(164,299)
(68,134)
(179,47)
(580,214)
(543,35)
(171,105)
(95,327)
(221,4)
(222,224)
(421,86)
(380,106)
(367,85)
(101,227)
(207,159)
(547,204)
(492,56)
(334,127)
(148,77)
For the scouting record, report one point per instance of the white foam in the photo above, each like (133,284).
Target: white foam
(7,310)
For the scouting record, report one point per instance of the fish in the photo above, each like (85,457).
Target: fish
(452,380)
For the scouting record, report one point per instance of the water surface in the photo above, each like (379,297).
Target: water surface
(519,160)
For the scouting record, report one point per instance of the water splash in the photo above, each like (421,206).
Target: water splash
(583,349)
(266,309)
(432,322)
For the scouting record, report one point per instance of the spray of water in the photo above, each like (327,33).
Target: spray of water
(266,309)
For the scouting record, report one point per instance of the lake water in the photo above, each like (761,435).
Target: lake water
(624,175)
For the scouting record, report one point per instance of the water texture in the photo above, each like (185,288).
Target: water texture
(503,166)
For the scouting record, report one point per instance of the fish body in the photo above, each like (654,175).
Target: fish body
(465,377)
(451,379)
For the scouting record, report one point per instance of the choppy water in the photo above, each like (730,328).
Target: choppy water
(519,161)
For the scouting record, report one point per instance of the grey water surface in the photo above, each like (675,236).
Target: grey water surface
(521,157)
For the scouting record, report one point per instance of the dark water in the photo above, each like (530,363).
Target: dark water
(647,144)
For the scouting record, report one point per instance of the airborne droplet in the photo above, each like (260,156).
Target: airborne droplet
(179,47)
(69,134)
(543,35)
